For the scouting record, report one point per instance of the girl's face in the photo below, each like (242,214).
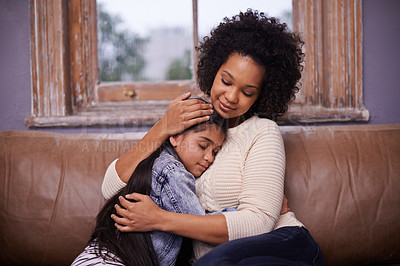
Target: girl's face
(236,86)
(197,150)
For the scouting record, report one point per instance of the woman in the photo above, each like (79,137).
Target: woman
(249,67)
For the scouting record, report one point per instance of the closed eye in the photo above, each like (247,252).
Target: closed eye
(247,94)
(225,82)
(203,147)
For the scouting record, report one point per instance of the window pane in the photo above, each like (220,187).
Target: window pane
(211,12)
(148,40)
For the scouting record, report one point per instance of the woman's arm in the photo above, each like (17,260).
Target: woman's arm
(179,116)
(144,215)
(261,191)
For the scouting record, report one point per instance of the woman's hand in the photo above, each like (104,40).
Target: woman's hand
(140,216)
(144,215)
(183,113)
(180,115)
(285,207)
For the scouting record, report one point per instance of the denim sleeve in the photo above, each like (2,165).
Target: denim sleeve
(224,210)
(180,191)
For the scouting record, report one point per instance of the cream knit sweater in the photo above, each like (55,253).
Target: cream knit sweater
(247,174)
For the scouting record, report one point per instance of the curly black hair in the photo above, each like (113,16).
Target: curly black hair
(270,44)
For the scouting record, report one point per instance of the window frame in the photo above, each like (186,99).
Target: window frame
(332,80)
(67,92)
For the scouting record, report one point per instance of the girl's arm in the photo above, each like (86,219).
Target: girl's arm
(144,215)
(179,116)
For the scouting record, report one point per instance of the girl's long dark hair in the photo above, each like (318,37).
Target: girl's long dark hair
(135,248)
(130,248)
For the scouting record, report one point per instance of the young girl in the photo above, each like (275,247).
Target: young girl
(168,176)
(250,67)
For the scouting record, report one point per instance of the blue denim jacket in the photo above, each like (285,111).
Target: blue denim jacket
(173,189)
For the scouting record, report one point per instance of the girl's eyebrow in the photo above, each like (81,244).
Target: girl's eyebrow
(247,85)
(207,139)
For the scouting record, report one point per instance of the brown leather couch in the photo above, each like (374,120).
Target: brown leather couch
(343,183)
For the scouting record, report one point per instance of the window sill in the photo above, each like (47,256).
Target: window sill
(317,114)
(149,114)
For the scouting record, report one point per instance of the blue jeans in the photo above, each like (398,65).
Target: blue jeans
(284,246)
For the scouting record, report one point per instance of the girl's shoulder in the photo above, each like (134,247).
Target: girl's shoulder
(167,163)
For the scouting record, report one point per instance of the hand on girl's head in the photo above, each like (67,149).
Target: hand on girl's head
(183,113)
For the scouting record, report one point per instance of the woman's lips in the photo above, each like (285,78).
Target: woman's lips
(225,108)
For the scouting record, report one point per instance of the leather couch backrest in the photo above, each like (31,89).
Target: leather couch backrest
(50,192)
(342,182)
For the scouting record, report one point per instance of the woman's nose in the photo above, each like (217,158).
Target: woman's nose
(232,96)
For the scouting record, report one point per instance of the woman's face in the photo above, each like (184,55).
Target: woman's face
(236,86)
(197,150)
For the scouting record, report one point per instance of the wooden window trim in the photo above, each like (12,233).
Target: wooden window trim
(332,81)
(66,91)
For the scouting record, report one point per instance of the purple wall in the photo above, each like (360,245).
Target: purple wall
(381,64)
(382,60)
(14,64)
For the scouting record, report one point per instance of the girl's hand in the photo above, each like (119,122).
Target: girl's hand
(140,216)
(182,114)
